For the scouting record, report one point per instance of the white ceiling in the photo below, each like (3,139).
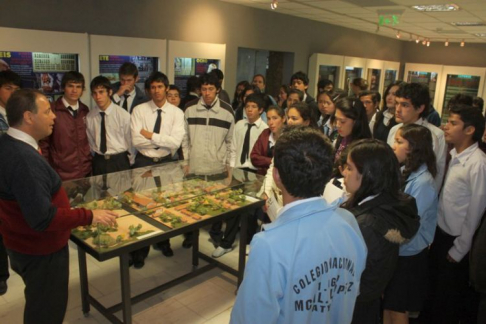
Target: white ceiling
(363,15)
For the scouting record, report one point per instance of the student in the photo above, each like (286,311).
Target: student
(300,81)
(174,95)
(240,111)
(260,82)
(126,94)
(237,97)
(193,91)
(207,145)
(157,129)
(351,124)
(325,85)
(412,99)
(385,217)
(371,102)
(262,153)
(9,83)
(311,246)
(246,132)
(282,95)
(461,205)
(356,86)
(326,103)
(108,128)
(36,218)
(222,94)
(294,96)
(385,118)
(407,290)
(478,102)
(67,148)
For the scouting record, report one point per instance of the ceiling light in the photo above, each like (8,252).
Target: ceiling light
(417,40)
(468,24)
(462,43)
(446,42)
(480,34)
(274,4)
(428,43)
(398,34)
(441,7)
(424,42)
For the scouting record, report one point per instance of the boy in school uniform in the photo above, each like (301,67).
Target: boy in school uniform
(461,205)
(246,133)
(126,94)
(108,129)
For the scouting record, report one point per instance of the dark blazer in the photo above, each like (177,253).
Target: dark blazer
(140,97)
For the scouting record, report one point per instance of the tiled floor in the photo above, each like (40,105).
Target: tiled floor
(204,299)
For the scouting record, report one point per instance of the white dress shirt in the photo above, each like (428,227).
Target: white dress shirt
(463,198)
(121,99)
(24,137)
(439,146)
(171,131)
(117,124)
(239,138)
(3,112)
(74,107)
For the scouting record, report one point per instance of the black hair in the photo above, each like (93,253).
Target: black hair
(379,169)
(324,83)
(303,158)
(72,76)
(236,97)
(156,76)
(334,95)
(298,92)
(176,88)
(299,76)
(361,83)
(478,102)
(375,96)
(278,110)
(218,73)
(21,101)
(385,94)
(260,75)
(379,115)
(128,68)
(256,98)
(418,94)
(100,81)
(421,150)
(305,112)
(354,109)
(470,116)
(286,88)
(211,79)
(192,84)
(460,98)
(9,77)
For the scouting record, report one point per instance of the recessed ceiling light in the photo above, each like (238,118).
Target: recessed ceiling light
(468,23)
(441,7)
(481,34)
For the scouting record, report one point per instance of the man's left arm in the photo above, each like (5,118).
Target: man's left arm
(230,148)
(174,140)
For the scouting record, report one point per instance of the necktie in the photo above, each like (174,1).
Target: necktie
(158,182)
(125,102)
(73,112)
(158,122)
(103,133)
(246,145)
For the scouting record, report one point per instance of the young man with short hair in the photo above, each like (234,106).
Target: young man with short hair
(108,128)
(461,205)
(9,83)
(412,102)
(222,94)
(305,267)
(300,81)
(371,102)
(67,148)
(126,94)
(325,85)
(174,95)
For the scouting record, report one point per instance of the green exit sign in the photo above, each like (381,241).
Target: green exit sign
(388,20)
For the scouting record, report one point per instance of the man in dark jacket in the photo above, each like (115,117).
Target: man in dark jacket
(67,148)
(300,81)
(125,92)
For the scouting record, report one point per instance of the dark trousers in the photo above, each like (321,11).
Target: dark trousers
(450,291)
(46,279)
(482,309)
(110,163)
(4,274)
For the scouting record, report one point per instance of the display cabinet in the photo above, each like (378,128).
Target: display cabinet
(153,205)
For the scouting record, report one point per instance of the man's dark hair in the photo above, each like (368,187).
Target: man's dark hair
(303,158)
(211,79)
(21,101)
(299,76)
(478,102)
(72,76)
(375,96)
(128,68)
(470,116)
(354,109)
(305,111)
(361,83)
(260,75)
(156,76)
(298,92)
(100,81)
(193,83)
(176,88)
(417,93)
(324,83)
(256,98)
(460,98)
(9,77)
(218,73)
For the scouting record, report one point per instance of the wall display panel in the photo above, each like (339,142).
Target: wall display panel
(374,74)
(325,66)
(354,67)
(427,74)
(185,59)
(110,65)
(42,57)
(41,71)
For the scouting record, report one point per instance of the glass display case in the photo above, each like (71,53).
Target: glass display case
(390,77)
(427,78)
(374,78)
(455,84)
(329,72)
(350,74)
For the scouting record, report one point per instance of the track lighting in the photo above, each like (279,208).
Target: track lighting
(398,34)
(274,4)
(446,42)
(462,43)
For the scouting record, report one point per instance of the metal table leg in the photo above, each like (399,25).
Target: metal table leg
(243,239)
(83,281)
(125,289)
(195,247)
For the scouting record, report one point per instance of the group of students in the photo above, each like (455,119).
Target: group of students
(404,237)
